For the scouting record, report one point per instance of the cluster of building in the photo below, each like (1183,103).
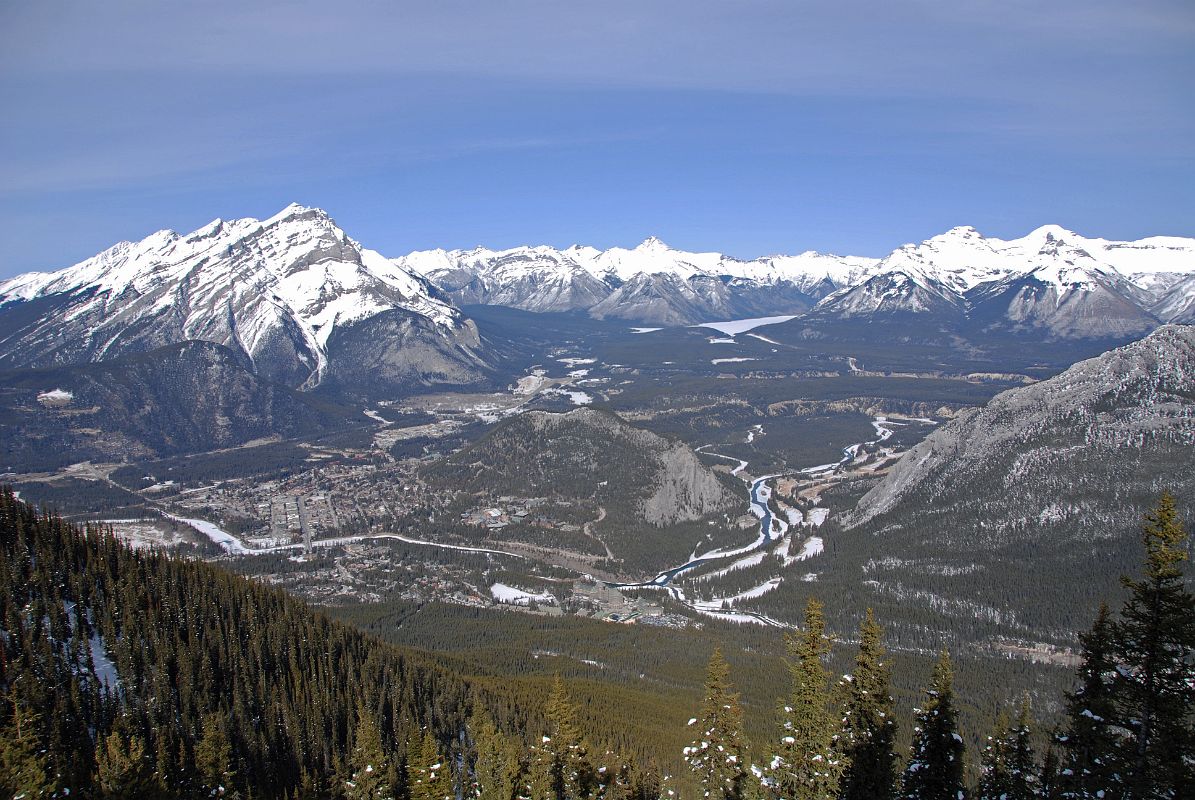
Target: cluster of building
(506,511)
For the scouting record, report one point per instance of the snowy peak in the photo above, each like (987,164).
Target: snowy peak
(278,290)
(651,282)
(652,243)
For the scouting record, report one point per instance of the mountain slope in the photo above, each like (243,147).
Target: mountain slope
(651,283)
(1032,502)
(293,294)
(1070,295)
(181,398)
(645,495)
(948,279)
(171,639)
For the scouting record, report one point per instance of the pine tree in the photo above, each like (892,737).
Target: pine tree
(868,725)
(571,776)
(25,768)
(807,765)
(1022,760)
(430,777)
(1086,763)
(716,756)
(994,780)
(935,768)
(213,756)
(496,760)
(123,769)
(1154,646)
(371,775)
(1009,767)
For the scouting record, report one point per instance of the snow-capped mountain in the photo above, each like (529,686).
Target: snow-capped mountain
(1052,281)
(650,283)
(306,304)
(1177,304)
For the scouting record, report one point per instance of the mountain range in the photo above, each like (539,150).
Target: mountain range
(304,305)
(1053,282)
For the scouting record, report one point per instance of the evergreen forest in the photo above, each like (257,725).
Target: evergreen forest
(129,674)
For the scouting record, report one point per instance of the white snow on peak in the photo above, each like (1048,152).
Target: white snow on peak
(295,266)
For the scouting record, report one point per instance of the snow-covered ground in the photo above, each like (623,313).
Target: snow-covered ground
(736,326)
(715,603)
(55,397)
(230,543)
(817,516)
(512,594)
(753,560)
(575,397)
(763,338)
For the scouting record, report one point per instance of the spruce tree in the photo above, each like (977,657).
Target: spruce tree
(935,768)
(123,769)
(868,725)
(1087,768)
(25,768)
(807,765)
(1153,689)
(371,774)
(1050,783)
(1009,767)
(213,756)
(717,754)
(571,775)
(430,777)
(1022,760)
(496,760)
(994,780)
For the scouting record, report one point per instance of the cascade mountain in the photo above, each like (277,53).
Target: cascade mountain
(306,305)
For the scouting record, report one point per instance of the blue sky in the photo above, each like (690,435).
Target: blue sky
(748,127)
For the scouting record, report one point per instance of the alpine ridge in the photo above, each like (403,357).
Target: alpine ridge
(306,304)
(1051,282)
(1046,480)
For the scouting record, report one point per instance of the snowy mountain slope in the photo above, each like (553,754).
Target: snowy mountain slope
(1052,281)
(944,276)
(650,283)
(1178,303)
(1067,293)
(287,292)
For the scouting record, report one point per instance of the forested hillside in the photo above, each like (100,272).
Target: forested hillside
(146,675)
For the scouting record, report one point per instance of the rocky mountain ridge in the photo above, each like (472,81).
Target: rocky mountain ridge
(303,302)
(1051,281)
(1013,501)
